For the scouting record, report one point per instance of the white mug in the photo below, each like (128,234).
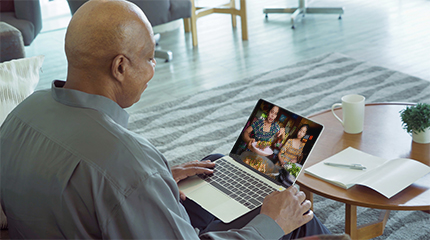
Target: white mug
(353,113)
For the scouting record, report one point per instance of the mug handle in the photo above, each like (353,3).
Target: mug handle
(332,110)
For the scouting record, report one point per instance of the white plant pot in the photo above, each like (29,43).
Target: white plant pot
(422,137)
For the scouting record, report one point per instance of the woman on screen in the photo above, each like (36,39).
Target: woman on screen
(293,148)
(264,129)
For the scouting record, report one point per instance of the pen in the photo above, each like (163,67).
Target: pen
(352,166)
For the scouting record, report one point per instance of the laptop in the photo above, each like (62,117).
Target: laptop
(254,168)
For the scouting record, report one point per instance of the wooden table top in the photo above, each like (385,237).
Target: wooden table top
(383,136)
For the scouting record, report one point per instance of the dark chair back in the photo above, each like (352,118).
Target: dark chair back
(157,11)
(25,15)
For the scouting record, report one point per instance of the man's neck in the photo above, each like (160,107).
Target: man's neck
(91,85)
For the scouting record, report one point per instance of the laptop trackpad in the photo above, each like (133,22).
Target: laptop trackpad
(217,203)
(209,196)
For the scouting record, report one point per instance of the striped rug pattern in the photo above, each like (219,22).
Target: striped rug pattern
(210,121)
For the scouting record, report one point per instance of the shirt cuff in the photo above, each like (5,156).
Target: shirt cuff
(266,227)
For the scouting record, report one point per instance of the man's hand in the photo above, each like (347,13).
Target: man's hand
(288,209)
(189,169)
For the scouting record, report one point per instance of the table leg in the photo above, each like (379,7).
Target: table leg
(351,221)
(366,231)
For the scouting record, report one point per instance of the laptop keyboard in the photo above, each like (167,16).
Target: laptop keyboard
(238,184)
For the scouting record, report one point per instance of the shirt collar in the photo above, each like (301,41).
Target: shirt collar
(75,98)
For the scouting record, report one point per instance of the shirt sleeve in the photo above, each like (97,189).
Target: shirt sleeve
(153,210)
(261,227)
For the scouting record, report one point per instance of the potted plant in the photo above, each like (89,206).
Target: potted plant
(416,121)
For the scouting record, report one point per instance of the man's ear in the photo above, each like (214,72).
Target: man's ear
(120,65)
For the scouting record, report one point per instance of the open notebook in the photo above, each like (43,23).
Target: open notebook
(254,169)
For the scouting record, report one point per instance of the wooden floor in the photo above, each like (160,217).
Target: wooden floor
(388,33)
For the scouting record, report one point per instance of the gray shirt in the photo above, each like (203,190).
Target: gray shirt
(71,169)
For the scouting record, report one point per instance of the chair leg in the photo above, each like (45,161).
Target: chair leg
(167,55)
(193,24)
(242,13)
(233,16)
(187,24)
(243,19)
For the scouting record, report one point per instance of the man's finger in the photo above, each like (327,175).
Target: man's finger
(293,189)
(191,171)
(308,216)
(207,163)
(197,170)
(301,195)
(182,195)
(307,205)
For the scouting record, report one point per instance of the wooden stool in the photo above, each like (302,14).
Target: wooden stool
(228,8)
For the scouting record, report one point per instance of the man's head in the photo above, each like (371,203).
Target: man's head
(110,50)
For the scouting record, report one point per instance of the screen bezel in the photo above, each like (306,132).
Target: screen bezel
(262,102)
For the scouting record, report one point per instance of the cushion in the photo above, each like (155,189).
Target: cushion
(18,79)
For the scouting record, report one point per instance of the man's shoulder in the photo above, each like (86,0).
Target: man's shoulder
(34,100)
(117,157)
(119,154)
(27,109)
(101,145)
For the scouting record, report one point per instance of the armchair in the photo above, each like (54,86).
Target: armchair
(11,43)
(157,12)
(25,15)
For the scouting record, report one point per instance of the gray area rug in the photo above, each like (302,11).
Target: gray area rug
(210,121)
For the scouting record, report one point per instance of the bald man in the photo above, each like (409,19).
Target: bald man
(71,169)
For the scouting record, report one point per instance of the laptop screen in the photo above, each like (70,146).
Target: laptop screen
(276,142)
